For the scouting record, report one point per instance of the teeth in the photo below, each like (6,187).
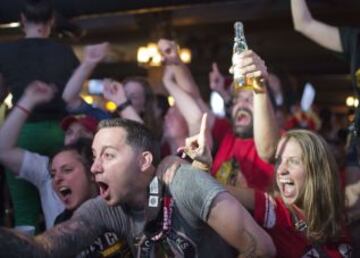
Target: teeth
(286,181)
(64,190)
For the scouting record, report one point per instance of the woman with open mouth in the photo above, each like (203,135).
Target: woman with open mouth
(304,213)
(74,184)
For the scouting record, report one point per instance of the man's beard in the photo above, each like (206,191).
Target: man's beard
(241,131)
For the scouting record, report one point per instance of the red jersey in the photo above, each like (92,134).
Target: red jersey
(258,173)
(273,215)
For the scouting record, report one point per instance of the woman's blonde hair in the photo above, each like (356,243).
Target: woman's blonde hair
(321,197)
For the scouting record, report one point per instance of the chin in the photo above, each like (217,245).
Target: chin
(243,132)
(111,202)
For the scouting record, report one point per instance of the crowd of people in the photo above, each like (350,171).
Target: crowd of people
(148,181)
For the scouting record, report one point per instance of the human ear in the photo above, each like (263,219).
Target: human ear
(145,160)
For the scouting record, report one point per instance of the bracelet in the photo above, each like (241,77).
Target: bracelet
(25,110)
(122,106)
(200,165)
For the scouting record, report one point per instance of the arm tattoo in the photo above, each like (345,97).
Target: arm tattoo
(69,238)
(250,250)
(65,240)
(14,244)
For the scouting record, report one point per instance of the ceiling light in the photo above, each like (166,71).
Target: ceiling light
(150,56)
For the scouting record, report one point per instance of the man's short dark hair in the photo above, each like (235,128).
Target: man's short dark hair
(138,136)
(38,11)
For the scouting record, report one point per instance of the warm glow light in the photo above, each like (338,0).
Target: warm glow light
(152,49)
(111,106)
(352,101)
(143,55)
(88,99)
(10,25)
(185,55)
(171,101)
(156,59)
(356,102)
(8,100)
(150,55)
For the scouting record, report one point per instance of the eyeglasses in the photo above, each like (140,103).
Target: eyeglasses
(290,162)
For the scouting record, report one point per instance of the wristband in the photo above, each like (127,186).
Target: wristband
(26,111)
(122,106)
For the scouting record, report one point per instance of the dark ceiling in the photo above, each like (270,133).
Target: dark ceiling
(207,28)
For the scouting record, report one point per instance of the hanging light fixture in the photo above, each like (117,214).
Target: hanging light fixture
(352,101)
(150,56)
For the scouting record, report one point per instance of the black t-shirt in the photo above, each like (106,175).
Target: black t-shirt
(26,60)
(351,47)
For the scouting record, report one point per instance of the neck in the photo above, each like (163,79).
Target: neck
(36,31)
(139,196)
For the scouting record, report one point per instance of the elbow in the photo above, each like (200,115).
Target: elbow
(268,249)
(266,154)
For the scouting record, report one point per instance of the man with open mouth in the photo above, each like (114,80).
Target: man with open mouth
(246,141)
(169,206)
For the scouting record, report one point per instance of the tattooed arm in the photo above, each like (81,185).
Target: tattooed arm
(65,240)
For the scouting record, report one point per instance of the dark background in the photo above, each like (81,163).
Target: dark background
(206,27)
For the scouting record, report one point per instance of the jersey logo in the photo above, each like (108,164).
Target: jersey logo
(312,253)
(345,250)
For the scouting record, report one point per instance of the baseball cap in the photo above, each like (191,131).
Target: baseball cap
(88,122)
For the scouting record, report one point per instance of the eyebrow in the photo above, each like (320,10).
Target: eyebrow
(103,148)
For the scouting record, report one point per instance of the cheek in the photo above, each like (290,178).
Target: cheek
(300,177)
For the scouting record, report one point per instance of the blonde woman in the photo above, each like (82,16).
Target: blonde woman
(304,214)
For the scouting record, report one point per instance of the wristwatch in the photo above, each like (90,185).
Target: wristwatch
(122,106)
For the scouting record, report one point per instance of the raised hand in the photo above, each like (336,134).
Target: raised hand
(93,54)
(197,147)
(249,64)
(114,91)
(38,92)
(169,51)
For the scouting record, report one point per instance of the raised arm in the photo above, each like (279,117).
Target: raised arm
(182,74)
(266,130)
(185,103)
(234,224)
(10,155)
(324,34)
(114,92)
(93,55)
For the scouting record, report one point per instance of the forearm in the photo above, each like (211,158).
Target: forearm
(64,240)
(187,107)
(11,128)
(73,87)
(185,80)
(266,129)
(236,226)
(14,245)
(130,113)
(325,35)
